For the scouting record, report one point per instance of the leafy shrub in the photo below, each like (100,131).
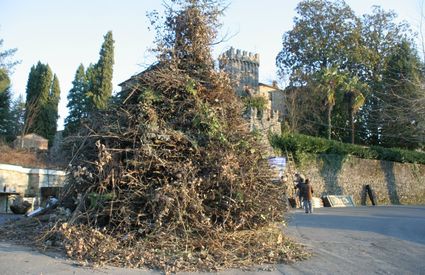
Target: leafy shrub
(297,143)
(258,102)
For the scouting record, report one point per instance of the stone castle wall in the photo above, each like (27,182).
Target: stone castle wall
(392,182)
(267,122)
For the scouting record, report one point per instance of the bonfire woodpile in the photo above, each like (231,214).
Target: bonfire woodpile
(170,177)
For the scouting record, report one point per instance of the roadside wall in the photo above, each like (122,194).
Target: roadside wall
(27,181)
(392,182)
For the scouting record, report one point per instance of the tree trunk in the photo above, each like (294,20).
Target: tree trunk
(351,114)
(352,126)
(329,122)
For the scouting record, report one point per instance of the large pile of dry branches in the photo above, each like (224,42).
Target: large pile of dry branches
(172,179)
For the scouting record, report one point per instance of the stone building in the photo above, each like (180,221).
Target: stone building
(275,96)
(243,69)
(31,141)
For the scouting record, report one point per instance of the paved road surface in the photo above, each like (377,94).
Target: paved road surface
(361,240)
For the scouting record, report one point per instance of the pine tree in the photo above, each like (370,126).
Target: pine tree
(91,89)
(77,102)
(100,75)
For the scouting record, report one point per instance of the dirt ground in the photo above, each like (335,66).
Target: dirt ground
(29,158)
(359,240)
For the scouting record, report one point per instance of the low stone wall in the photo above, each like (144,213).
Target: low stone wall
(392,182)
(27,181)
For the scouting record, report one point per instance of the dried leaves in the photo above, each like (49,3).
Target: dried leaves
(245,248)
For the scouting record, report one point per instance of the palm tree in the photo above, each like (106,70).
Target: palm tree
(329,81)
(353,95)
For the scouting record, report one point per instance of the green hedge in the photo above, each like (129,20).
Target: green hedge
(297,143)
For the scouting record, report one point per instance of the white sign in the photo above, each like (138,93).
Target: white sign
(278,163)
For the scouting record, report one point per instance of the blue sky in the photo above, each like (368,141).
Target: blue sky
(69,32)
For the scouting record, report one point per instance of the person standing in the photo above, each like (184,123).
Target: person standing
(307,193)
(299,184)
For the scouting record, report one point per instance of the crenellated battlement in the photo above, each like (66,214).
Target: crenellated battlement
(241,56)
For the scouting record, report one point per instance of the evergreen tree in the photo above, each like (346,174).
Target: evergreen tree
(38,89)
(92,89)
(91,80)
(380,35)
(6,116)
(5,62)
(100,75)
(402,89)
(17,114)
(42,100)
(4,105)
(52,109)
(77,102)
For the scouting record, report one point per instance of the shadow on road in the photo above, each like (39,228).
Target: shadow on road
(404,223)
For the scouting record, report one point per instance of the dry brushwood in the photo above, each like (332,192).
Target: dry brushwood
(172,179)
(169,177)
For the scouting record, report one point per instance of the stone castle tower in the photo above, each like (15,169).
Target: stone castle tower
(243,68)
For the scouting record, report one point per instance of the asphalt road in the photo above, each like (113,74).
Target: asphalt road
(360,240)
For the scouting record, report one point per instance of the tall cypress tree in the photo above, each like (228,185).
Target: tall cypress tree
(38,89)
(100,75)
(42,101)
(4,104)
(77,102)
(5,115)
(52,108)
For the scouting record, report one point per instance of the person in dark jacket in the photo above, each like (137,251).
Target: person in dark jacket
(307,193)
(299,184)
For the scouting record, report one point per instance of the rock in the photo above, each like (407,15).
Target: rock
(20,206)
